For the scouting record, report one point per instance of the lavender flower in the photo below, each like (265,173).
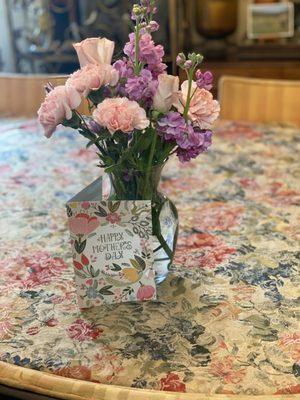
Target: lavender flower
(148,52)
(171,126)
(156,69)
(204,80)
(124,68)
(198,142)
(191,141)
(142,87)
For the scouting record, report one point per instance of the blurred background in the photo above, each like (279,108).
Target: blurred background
(237,37)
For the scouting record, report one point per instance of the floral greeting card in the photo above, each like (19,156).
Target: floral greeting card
(112,251)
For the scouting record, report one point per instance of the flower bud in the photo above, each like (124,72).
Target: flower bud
(153,26)
(136,12)
(180,59)
(192,57)
(136,9)
(199,58)
(188,64)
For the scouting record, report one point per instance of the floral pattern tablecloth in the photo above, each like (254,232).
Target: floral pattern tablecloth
(226,318)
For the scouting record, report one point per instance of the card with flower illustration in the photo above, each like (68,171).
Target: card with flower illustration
(112,251)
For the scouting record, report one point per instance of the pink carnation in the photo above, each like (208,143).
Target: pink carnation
(204,110)
(92,77)
(57,106)
(121,114)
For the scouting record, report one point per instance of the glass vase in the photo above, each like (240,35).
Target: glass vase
(141,185)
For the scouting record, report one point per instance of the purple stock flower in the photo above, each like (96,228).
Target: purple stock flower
(171,126)
(204,80)
(141,87)
(124,68)
(157,69)
(198,142)
(187,138)
(191,141)
(149,53)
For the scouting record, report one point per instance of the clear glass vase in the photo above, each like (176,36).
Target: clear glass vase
(140,185)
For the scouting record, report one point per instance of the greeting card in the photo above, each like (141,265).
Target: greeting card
(112,251)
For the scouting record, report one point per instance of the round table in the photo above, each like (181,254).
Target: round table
(225,323)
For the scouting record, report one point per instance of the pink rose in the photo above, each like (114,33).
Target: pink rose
(92,77)
(83,224)
(121,114)
(204,110)
(94,51)
(57,106)
(166,93)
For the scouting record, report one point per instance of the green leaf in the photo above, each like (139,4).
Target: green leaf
(134,263)
(80,274)
(87,134)
(96,96)
(145,142)
(116,267)
(92,272)
(79,246)
(105,290)
(74,122)
(141,262)
(113,207)
(95,284)
(101,212)
(97,139)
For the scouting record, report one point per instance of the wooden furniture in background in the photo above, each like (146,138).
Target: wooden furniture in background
(260,100)
(289,70)
(21,95)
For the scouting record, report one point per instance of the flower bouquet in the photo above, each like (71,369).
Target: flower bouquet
(138,118)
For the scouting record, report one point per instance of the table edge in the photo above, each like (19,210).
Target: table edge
(73,389)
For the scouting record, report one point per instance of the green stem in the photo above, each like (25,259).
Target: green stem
(149,165)
(190,75)
(136,49)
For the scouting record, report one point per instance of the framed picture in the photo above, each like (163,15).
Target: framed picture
(270,20)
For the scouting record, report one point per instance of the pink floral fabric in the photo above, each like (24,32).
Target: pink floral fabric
(225,318)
